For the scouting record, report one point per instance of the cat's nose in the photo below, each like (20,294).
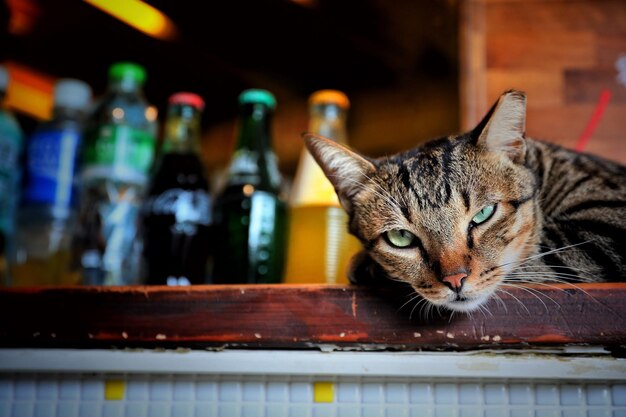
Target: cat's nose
(455,281)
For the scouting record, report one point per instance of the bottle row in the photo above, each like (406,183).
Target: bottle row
(89,198)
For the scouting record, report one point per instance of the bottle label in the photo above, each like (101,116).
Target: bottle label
(51,168)
(190,209)
(119,152)
(247,166)
(112,254)
(244,162)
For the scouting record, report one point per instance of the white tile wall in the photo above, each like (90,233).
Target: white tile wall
(59,383)
(66,395)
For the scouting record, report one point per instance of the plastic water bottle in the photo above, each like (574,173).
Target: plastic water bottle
(117,158)
(11,142)
(47,212)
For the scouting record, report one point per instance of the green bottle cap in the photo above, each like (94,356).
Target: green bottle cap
(255,95)
(127,70)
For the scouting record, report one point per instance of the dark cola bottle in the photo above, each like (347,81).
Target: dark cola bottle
(177,209)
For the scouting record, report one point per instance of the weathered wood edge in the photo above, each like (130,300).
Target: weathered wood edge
(305,317)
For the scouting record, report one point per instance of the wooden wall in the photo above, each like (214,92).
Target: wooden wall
(569,56)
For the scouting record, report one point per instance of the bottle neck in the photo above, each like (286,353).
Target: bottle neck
(254,161)
(68,113)
(124,85)
(254,128)
(328,120)
(182,130)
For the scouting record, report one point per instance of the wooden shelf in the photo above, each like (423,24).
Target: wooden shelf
(306,317)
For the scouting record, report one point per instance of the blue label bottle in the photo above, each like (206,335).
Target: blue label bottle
(47,212)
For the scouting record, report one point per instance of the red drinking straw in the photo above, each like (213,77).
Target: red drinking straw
(603,102)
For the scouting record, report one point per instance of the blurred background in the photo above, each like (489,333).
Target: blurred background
(412,69)
(397,61)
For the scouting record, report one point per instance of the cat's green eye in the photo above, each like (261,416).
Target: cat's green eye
(400,238)
(484,214)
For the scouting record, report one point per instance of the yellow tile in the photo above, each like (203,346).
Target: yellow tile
(323,392)
(114,390)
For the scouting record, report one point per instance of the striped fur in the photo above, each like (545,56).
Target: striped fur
(559,215)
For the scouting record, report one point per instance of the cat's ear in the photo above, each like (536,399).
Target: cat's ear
(345,169)
(503,128)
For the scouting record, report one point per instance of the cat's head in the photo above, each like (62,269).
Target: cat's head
(452,217)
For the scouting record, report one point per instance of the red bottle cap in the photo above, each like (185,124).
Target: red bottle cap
(189,99)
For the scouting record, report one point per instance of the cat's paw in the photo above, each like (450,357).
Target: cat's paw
(362,269)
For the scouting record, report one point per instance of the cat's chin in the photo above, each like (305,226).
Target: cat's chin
(465,305)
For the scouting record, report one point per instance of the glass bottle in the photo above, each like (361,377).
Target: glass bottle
(116,162)
(47,212)
(250,212)
(11,143)
(319,245)
(177,211)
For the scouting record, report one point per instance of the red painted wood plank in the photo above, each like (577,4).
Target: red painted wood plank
(305,316)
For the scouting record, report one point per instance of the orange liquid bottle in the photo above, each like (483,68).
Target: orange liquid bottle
(319,245)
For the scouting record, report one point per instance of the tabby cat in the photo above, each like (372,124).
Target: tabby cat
(463,216)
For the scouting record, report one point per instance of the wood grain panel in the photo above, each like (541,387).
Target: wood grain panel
(546,50)
(584,86)
(563,54)
(543,88)
(599,16)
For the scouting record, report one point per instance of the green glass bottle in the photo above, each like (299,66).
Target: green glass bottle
(250,211)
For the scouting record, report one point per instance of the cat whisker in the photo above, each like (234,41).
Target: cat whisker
(497,297)
(515,298)
(580,273)
(429,308)
(542,283)
(413,298)
(423,302)
(523,261)
(550,252)
(555,267)
(538,279)
(486,308)
(552,276)
(424,310)
(534,293)
(542,278)
(438,311)
(563,278)
(421,312)
(548,266)
(451,315)
(546,279)
(530,284)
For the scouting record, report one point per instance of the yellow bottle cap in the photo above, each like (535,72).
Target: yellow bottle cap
(330,97)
